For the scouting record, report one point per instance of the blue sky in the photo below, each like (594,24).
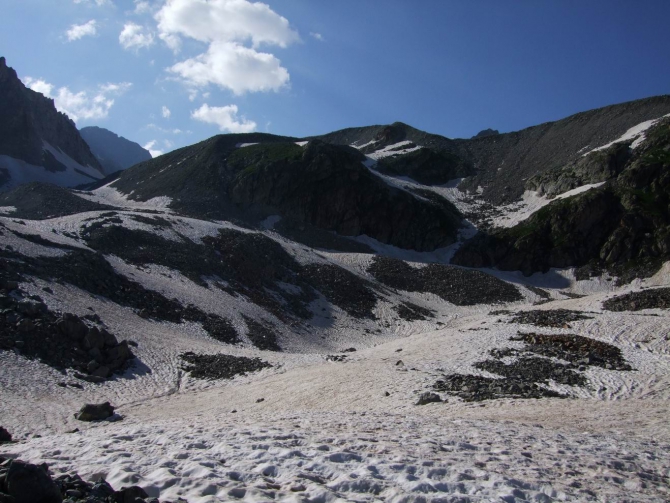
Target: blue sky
(174,72)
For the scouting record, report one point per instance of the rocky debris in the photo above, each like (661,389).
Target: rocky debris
(336,358)
(37,201)
(347,291)
(411,312)
(220,366)
(473,388)
(28,483)
(539,291)
(428,397)
(91,272)
(456,285)
(95,412)
(556,318)
(5,436)
(249,264)
(657,298)
(534,370)
(486,132)
(576,349)
(261,335)
(545,358)
(61,340)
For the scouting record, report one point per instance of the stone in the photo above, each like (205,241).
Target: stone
(428,397)
(95,412)
(94,339)
(119,352)
(5,436)
(130,495)
(29,483)
(92,366)
(102,371)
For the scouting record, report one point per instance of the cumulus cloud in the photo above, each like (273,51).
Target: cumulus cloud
(317,36)
(150,147)
(134,36)
(224,117)
(80,105)
(234,67)
(166,112)
(78,31)
(233,30)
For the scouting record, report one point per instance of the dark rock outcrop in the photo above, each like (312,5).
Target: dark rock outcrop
(5,436)
(221,366)
(112,151)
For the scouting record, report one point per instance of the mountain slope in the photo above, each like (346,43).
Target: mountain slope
(38,143)
(325,187)
(112,151)
(622,226)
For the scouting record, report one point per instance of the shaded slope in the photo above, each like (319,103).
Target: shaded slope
(319,185)
(624,226)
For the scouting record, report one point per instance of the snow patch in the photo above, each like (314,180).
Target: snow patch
(5,210)
(636,133)
(113,197)
(242,145)
(515,213)
(270,222)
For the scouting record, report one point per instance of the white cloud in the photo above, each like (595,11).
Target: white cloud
(150,147)
(234,67)
(78,31)
(134,36)
(142,7)
(163,130)
(226,25)
(81,105)
(166,112)
(317,36)
(224,117)
(39,85)
(99,3)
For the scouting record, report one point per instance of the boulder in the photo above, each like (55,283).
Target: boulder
(110,340)
(119,352)
(28,483)
(130,495)
(428,397)
(5,436)
(95,412)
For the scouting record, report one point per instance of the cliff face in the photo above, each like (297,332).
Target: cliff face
(28,119)
(112,151)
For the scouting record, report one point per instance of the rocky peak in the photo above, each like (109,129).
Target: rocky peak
(28,119)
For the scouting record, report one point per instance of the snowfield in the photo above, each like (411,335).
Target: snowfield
(314,429)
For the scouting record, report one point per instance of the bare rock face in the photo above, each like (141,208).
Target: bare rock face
(28,119)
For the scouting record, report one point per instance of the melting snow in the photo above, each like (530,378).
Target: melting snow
(635,133)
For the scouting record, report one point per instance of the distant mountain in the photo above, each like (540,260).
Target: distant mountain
(38,143)
(112,151)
